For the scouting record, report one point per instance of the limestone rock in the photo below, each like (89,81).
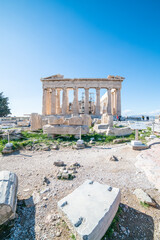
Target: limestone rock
(8,195)
(59,163)
(113,158)
(143,197)
(120,140)
(8,148)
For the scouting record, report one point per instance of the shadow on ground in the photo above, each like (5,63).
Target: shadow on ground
(23,227)
(131,224)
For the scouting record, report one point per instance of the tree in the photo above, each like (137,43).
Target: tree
(4,109)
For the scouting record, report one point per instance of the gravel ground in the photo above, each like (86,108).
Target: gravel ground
(42,220)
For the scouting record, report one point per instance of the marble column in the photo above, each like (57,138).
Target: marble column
(109,101)
(58,107)
(115,102)
(119,102)
(75,102)
(112,102)
(64,101)
(97,101)
(86,101)
(48,102)
(44,102)
(67,100)
(53,101)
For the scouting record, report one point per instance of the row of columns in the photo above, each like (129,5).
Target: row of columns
(51,101)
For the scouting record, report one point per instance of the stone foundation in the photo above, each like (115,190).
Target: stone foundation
(64,129)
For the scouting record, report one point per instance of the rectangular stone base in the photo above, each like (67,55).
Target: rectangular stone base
(90,209)
(64,129)
(138,145)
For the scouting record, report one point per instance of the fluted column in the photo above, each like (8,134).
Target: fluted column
(48,102)
(115,102)
(58,111)
(119,102)
(75,102)
(53,101)
(64,101)
(109,101)
(97,101)
(44,102)
(86,101)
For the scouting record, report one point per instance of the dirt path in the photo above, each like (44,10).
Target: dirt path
(42,221)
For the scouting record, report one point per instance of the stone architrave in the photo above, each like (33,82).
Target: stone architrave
(97,101)
(53,101)
(86,101)
(109,101)
(8,195)
(75,102)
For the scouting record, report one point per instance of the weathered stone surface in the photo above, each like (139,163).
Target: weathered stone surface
(80,144)
(14,134)
(76,120)
(90,209)
(118,131)
(64,129)
(120,140)
(143,197)
(59,163)
(53,120)
(8,195)
(138,145)
(113,158)
(36,121)
(8,148)
(86,120)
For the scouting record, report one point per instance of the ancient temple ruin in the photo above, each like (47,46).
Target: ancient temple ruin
(53,85)
(59,116)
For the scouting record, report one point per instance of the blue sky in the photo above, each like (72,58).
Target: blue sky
(80,38)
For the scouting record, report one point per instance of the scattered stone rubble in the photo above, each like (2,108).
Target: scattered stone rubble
(14,134)
(66,173)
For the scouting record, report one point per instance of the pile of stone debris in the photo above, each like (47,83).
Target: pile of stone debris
(14,134)
(66,173)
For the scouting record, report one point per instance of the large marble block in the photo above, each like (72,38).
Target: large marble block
(90,209)
(64,129)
